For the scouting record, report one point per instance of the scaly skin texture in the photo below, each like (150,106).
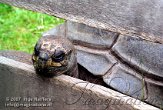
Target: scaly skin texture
(54,55)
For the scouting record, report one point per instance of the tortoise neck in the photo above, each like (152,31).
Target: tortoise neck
(73,72)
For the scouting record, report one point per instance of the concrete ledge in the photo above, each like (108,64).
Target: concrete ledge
(22,89)
(124,16)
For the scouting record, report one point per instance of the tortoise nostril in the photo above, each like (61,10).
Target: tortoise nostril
(43,56)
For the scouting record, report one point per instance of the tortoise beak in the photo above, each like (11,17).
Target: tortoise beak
(43,56)
(42,60)
(41,63)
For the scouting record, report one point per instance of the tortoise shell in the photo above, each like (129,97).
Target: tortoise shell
(129,64)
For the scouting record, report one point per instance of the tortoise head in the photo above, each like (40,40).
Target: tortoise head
(53,56)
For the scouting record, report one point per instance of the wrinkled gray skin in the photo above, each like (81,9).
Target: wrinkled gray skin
(54,56)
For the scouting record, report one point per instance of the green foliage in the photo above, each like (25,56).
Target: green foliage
(20,29)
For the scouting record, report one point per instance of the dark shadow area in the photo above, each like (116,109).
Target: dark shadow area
(85,75)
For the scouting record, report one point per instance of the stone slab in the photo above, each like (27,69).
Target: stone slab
(20,86)
(124,16)
(81,34)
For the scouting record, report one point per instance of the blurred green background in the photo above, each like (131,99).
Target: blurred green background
(20,29)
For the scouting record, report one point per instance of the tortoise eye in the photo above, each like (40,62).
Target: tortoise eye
(36,50)
(58,56)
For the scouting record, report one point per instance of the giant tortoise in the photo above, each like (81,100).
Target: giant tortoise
(129,64)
